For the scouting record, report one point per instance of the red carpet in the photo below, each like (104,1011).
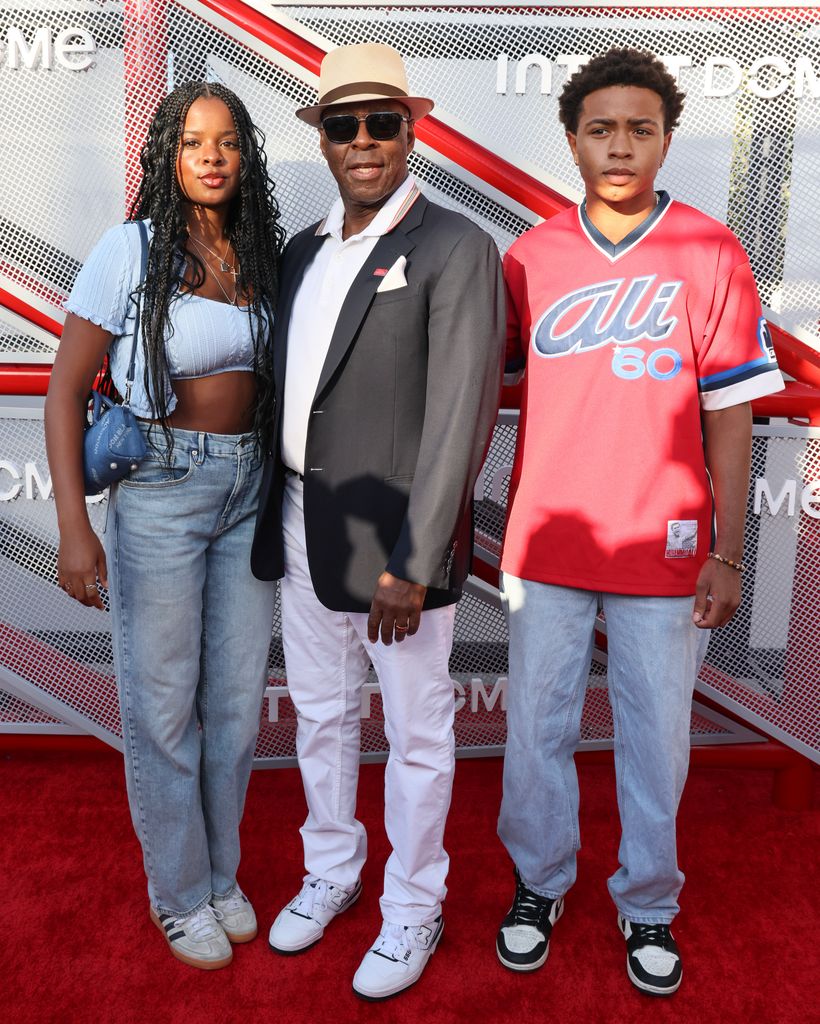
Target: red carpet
(77,945)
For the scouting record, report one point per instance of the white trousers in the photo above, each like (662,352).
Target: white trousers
(327,655)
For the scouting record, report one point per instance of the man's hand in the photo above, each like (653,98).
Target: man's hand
(717,595)
(396,609)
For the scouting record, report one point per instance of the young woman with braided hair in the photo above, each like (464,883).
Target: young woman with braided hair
(191,626)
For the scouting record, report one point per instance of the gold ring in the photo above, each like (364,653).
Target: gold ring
(91,586)
(401,629)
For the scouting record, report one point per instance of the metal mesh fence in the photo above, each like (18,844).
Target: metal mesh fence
(16,712)
(478,667)
(492,488)
(747,159)
(20,345)
(60,649)
(766,662)
(765,665)
(48,228)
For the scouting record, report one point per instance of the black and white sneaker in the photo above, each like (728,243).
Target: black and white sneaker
(523,940)
(652,957)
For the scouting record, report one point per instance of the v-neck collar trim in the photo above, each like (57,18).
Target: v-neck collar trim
(614,250)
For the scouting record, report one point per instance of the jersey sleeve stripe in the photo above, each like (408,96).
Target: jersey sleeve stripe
(736,374)
(737,393)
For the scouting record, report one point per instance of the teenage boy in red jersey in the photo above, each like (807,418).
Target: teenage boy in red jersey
(642,335)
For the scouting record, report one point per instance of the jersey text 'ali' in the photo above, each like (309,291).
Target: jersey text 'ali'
(589,317)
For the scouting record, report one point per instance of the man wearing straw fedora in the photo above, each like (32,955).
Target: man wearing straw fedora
(387,349)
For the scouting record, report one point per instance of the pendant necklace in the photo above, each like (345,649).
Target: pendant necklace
(224,266)
(231,301)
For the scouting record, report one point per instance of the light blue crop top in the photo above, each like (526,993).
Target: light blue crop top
(208,336)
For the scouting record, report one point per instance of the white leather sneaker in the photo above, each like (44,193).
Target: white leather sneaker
(302,922)
(196,939)
(396,959)
(238,919)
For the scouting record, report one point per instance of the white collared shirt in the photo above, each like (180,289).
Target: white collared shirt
(316,308)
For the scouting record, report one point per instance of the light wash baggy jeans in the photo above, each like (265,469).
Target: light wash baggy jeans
(654,655)
(191,630)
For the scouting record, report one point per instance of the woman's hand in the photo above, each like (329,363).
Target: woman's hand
(81,560)
(80,564)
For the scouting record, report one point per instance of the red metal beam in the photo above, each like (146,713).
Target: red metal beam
(24,379)
(510,180)
(67,743)
(797,358)
(484,571)
(30,313)
(267,30)
(792,788)
(145,58)
(796,401)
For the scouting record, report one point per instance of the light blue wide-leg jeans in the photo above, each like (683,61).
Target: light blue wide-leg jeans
(655,653)
(191,630)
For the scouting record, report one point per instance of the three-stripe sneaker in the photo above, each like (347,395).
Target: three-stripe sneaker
(523,940)
(196,939)
(236,915)
(652,957)
(396,959)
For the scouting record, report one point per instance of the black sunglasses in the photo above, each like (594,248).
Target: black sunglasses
(381,126)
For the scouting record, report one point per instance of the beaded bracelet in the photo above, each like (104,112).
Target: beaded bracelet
(737,566)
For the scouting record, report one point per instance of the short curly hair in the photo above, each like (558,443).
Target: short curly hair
(621,66)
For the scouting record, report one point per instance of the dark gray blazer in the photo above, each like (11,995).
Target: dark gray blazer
(401,418)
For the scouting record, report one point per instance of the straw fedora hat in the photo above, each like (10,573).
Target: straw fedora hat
(366,71)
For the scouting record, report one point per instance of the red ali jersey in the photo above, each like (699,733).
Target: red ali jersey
(624,344)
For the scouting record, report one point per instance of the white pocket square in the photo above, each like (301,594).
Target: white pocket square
(394,278)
